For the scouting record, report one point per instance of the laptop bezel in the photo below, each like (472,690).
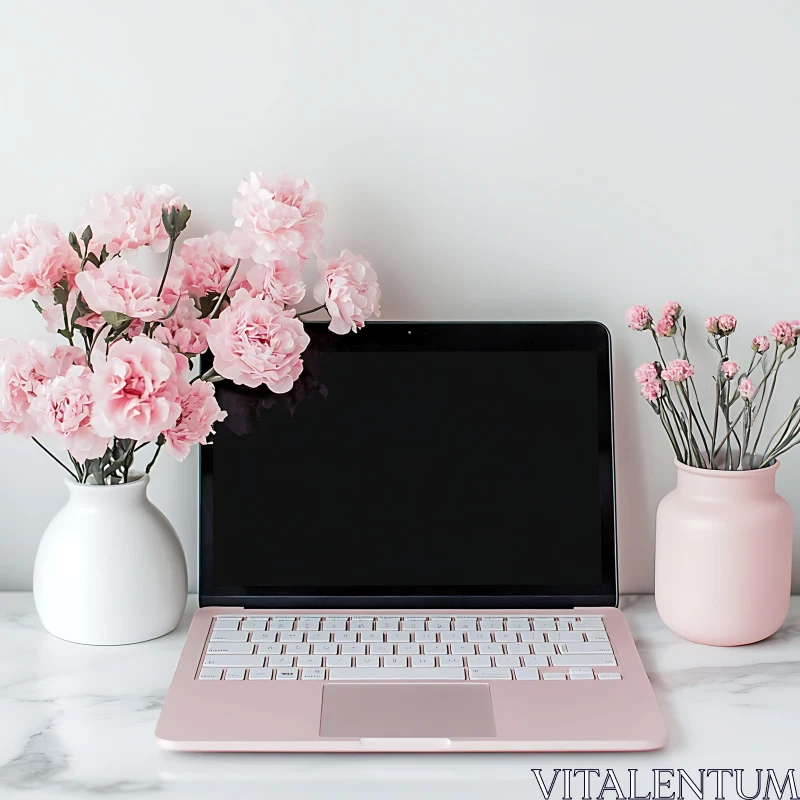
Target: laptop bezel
(590,336)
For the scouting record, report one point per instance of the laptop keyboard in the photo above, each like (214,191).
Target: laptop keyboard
(407,648)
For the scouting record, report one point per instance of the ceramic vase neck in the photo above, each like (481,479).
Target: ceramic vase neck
(118,495)
(727,483)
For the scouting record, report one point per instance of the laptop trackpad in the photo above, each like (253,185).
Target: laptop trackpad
(453,711)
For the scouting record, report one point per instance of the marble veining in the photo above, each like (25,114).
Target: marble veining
(77,722)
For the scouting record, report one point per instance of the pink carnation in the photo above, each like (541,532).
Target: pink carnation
(275,220)
(712,325)
(783,333)
(257,342)
(121,287)
(651,390)
(137,390)
(203,267)
(129,219)
(727,324)
(746,388)
(760,344)
(184,331)
(666,326)
(349,289)
(34,257)
(199,412)
(729,369)
(647,372)
(23,369)
(63,409)
(671,309)
(278,281)
(638,318)
(678,371)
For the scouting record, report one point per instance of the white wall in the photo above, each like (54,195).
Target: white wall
(495,160)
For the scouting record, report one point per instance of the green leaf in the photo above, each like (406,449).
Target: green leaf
(73,243)
(61,292)
(206,303)
(92,258)
(37,307)
(165,219)
(103,255)
(86,236)
(117,320)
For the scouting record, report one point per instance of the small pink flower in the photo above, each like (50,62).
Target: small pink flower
(34,257)
(275,220)
(783,333)
(137,390)
(184,331)
(729,369)
(203,267)
(712,325)
(678,371)
(121,287)
(349,288)
(23,369)
(727,324)
(666,326)
(199,412)
(277,281)
(746,388)
(651,390)
(257,342)
(63,409)
(128,219)
(671,309)
(67,356)
(638,318)
(760,344)
(647,372)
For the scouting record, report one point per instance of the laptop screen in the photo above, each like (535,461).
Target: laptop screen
(395,467)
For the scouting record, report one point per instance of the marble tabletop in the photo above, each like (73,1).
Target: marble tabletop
(77,722)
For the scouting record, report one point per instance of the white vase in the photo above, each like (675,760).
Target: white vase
(110,568)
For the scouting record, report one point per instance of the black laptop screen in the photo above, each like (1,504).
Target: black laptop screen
(396,471)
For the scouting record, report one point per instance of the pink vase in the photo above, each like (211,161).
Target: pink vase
(723,556)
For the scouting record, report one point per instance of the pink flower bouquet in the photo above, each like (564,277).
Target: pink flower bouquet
(121,379)
(731,437)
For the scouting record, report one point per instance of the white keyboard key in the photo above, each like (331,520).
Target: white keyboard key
(531,637)
(518,625)
(451,636)
(226,624)
(397,674)
(395,662)
(580,671)
(371,636)
(334,624)
(361,624)
(259,674)
(234,674)
(542,625)
(280,661)
(479,636)
(210,674)
(588,625)
(585,647)
(381,649)
(434,649)
(423,661)
(438,624)
(237,661)
(231,649)
(288,674)
(479,661)
(567,619)
(583,661)
(544,618)
(318,636)
(451,661)
(237,617)
(526,674)
(387,624)
(413,625)
(297,649)
(309,661)
(308,624)
(491,624)
(490,649)
(609,676)
(518,649)
(281,625)
(326,649)
(544,649)
(345,636)
(462,649)
(564,636)
(466,624)
(423,636)
(562,626)
(535,661)
(408,649)
(273,649)
(228,636)
(398,636)
(354,649)
(263,636)
(367,661)
(338,661)
(290,636)
(312,675)
(596,636)
(507,661)
(505,636)
(489,674)
(254,625)
(554,676)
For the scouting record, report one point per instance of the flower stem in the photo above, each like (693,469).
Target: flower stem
(55,458)
(221,300)
(153,459)
(172,241)
(312,310)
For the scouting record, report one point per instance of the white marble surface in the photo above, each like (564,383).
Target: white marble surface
(77,722)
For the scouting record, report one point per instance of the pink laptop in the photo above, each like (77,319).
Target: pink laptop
(415,550)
